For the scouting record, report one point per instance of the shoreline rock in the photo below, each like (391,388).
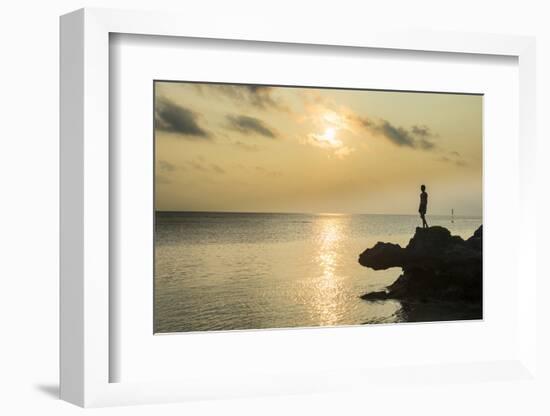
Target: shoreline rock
(437,268)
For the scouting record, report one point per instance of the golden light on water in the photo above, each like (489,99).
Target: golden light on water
(327,302)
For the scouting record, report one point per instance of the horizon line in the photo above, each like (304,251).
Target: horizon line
(307,213)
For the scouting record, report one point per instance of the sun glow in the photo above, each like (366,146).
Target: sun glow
(330,134)
(329,141)
(330,137)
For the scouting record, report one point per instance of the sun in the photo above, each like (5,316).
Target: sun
(330,136)
(326,140)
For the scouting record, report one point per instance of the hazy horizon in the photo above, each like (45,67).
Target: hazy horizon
(312,213)
(268,149)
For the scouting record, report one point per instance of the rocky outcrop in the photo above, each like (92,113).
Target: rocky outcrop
(437,267)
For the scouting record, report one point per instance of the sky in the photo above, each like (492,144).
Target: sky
(253,148)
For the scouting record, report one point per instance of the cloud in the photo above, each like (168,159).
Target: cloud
(461,163)
(165,166)
(418,137)
(200,165)
(248,125)
(324,142)
(425,144)
(246,147)
(173,118)
(164,170)
(343,152)
(454,158)
(216,168)
(424,135)
(422,131)
(329,141)
(397,135)
(259,96)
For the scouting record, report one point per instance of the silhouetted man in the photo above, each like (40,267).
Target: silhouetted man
(423,206)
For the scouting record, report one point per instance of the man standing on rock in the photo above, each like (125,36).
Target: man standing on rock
(423,206)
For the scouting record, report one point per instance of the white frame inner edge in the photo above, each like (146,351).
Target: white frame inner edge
(84,218)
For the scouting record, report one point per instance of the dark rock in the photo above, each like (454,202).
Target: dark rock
(479,232)
(382,256)
(437,266)
(439,311)
(475,241)
(382,295)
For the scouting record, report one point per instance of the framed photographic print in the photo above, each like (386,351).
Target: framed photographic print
(247,215)
(268,197)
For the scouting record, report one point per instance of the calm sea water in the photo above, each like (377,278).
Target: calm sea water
(226,271)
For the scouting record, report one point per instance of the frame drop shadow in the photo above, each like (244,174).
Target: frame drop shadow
(51,390)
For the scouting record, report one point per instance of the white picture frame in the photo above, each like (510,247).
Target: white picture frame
(85,221)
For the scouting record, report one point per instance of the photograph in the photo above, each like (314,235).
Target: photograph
(286,206)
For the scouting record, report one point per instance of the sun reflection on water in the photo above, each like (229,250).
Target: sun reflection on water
(327,303)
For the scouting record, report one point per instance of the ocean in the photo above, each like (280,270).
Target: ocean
(236,271)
